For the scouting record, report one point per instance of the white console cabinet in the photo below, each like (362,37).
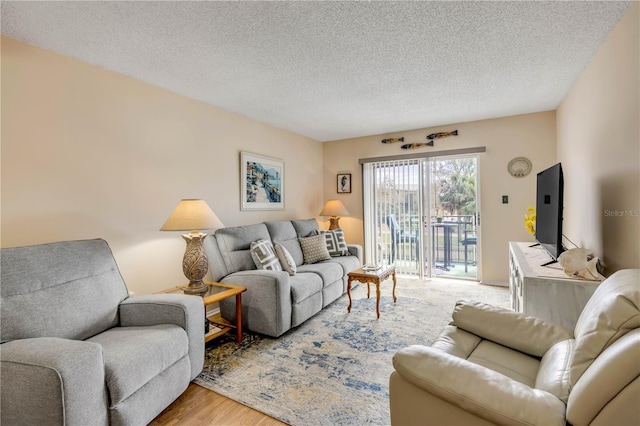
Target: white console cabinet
(545,291)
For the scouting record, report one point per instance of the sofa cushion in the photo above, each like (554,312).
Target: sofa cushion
(516,330)
(330,272)
(235,245)
(555,366)
(456,341)
(304,285)
(605,393)
(305,227)
(336,244)
(284,233)
(264,256)
(314,249)
(287,262)
(135,355)
(611,312)
(79,278)
(348,263)
(217,268)
(516,365)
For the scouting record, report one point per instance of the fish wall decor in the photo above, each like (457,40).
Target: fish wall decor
(392,140)
(441,135)
(416,145)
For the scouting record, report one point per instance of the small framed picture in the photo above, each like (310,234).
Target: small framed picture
(344,183)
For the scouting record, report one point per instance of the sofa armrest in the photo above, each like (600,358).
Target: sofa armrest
(531,335)
(266,305)
(180,309)
(49,380)
(355,250)
(476,389)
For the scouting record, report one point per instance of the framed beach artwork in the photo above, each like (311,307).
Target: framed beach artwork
(261,182)
(344,183)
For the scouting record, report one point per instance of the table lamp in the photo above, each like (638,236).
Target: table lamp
(334,208)
(194,216)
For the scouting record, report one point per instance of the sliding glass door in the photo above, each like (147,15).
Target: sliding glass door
(454,216)
(421,215)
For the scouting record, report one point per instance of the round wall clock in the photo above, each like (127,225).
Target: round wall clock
(519,167)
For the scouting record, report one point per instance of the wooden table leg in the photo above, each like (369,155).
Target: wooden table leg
(349,294)
(378,298)
(394,286)
(239,317)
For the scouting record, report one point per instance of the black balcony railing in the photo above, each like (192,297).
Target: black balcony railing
(453,241)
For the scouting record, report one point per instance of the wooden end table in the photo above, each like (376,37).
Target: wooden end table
(229,290)
(372,277)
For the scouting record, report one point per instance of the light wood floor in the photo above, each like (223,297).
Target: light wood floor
(200,406)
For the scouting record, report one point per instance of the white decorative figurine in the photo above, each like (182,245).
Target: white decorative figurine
(581,263)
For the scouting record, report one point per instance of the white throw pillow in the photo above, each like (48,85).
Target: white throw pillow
(264,255)
(286,260)
(336,244)
(314,249)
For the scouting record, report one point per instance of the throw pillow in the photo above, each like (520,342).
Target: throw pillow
(336,245)
(314,249)
(264,256)
(286,260)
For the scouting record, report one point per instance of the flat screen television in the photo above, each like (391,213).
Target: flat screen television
(549,205)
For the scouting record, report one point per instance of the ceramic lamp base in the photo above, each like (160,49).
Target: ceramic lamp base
(195,263)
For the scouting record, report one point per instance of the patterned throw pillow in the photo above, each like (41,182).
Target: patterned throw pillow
(336,244)
(314,249)
(286,260)
(264,256)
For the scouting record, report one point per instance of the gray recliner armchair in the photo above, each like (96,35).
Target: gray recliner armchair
(77,350)
(495,366)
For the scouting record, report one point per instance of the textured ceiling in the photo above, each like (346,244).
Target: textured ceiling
(334,69)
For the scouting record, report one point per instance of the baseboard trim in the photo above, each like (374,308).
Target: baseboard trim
(214,311)
(495,283)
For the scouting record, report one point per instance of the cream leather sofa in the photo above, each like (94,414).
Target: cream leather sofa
(495,366)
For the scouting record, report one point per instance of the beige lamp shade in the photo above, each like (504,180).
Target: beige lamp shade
(334,208)
(192,215)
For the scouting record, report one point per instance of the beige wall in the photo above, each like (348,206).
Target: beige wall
(89,153)
(599,146)
(530,135)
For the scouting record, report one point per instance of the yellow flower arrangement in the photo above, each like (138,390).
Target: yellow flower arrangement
(530,220)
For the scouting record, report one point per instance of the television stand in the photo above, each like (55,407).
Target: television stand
(545,291)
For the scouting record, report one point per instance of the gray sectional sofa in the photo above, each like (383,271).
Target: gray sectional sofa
(276,301)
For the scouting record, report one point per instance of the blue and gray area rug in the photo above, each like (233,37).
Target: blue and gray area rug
(334,369)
